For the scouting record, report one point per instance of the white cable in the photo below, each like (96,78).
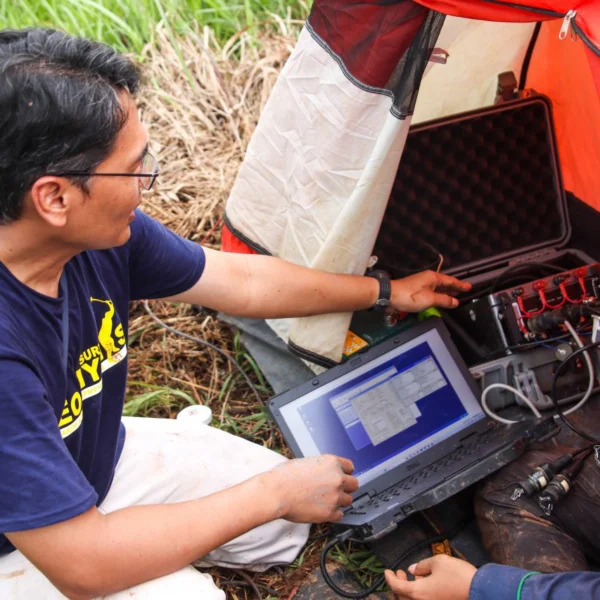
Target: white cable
(516,392)
(528,402)
(590,367)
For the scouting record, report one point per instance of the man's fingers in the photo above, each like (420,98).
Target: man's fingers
(447,283)
(399,584)
(345,500)
(347,465)
(350,484)
(337,515)
(443,289)
(444,301)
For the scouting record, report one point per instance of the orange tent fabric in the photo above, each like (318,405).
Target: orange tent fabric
(493,11)
(559,69)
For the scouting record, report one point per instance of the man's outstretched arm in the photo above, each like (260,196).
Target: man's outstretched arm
(94,554)
(268,287)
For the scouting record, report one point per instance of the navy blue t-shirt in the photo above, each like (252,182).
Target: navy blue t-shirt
(61,433)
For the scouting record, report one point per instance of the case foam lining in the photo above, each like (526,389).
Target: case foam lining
(476,187)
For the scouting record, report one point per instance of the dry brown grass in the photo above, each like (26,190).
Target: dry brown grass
(200,123)
(200,127)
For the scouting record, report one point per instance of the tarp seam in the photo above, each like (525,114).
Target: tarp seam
(313,357)
(244,238)
(351,78)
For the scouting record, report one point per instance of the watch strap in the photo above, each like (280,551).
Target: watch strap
(385,288)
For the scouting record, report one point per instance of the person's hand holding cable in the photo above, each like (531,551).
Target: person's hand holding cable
(445,578)
(438,578)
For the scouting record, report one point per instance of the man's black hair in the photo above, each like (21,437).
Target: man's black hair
(59,108)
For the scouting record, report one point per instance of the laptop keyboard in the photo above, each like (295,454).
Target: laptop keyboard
(420,478)
(454,457)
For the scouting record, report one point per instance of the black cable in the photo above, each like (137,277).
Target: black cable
(582,450)
(237,365)
(435,539)
(518,279)
(528,55)
(241,583)
(258,586)
(553,396)
(319,536)
(578,396)
(524,265)
(580,457)
(252,584)
(433,266)
(530,345)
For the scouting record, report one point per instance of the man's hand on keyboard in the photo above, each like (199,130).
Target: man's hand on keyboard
(313,490)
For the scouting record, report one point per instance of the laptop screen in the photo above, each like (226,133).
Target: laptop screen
(388,410)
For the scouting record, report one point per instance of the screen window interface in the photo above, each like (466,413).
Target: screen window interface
(388,410)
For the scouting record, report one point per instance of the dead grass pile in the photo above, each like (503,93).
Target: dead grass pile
(201,116)
(201,103)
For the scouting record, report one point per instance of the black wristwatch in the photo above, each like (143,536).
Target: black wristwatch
(385,289)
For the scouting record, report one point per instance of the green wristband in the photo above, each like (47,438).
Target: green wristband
(522,582)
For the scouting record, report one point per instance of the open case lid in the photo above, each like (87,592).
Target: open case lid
(481,188)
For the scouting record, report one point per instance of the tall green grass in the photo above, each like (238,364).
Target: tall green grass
(128,25)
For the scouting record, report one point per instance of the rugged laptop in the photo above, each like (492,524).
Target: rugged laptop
(407,413)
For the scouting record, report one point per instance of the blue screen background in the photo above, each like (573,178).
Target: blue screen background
(438,410)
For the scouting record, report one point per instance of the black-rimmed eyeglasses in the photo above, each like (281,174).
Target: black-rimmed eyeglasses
(148,173)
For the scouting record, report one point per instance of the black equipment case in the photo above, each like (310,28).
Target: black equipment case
(484,190)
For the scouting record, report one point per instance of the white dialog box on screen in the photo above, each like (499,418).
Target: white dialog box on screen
(391,407)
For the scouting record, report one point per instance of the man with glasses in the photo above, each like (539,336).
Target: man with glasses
(147,176)
(86,508)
